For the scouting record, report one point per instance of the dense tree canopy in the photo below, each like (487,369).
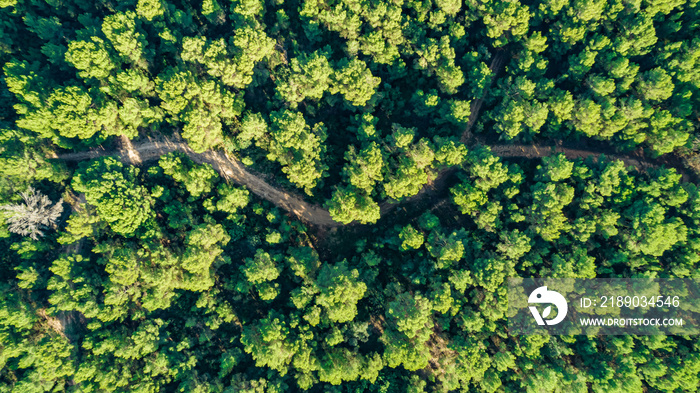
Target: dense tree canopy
(418,133)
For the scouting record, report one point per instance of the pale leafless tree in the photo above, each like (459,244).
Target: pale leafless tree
(37,213)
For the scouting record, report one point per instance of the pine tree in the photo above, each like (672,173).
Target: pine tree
(36,214)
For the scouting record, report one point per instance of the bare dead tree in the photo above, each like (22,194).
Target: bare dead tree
(36,214)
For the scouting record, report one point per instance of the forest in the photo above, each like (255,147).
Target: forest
(329,196)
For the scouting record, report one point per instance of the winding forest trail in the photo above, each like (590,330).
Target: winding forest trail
(232,169)
(227,166)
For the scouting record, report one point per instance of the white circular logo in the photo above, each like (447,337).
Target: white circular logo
(542,295)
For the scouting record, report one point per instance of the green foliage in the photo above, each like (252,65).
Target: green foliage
(349,204)
(164,278)
(233,69)
(91,58)
(121,30)
(411,238)
(308,77)
(446,249)
(410,315)
(69,112)
(267,343)
(651,233)
(113,191)
(410,320)
(411,171)
(510,17)
(545,215)
(200,105)
(555,168)
(364,168)
(198,179)
(449,153)
(231,199)
(354,81)
(260,269)
(253,127)
(23,161)
(468,198)
(514,244)
(339,290)
(150,9)
(297,147)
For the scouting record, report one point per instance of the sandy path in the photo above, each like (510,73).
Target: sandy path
(229,167)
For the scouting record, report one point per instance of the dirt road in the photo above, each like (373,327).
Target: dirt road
(227,166)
